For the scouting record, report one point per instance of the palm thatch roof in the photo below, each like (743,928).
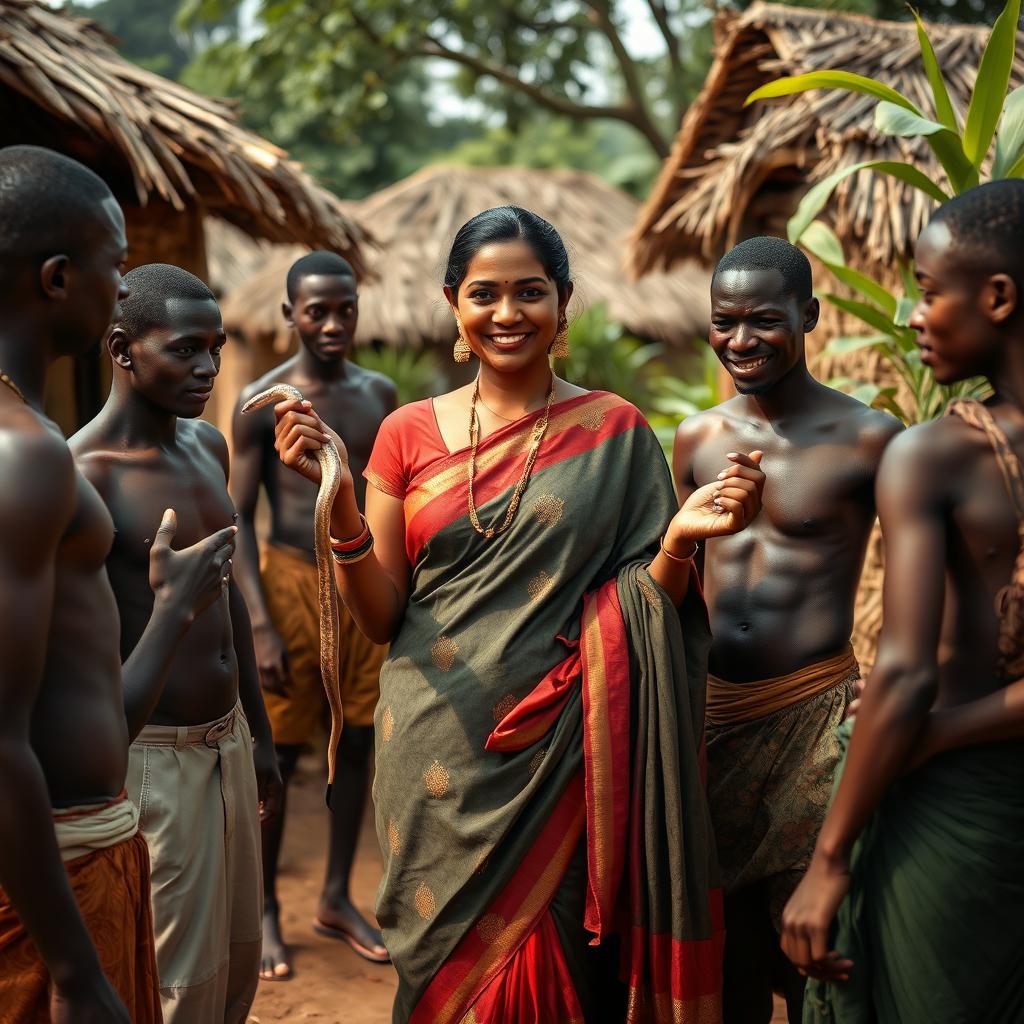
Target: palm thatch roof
(414,222)
(233,257)
(63,85)
(735,172)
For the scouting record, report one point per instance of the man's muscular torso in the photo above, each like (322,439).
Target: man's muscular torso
(781,593)
(354,407)
(78,726)
(137,487)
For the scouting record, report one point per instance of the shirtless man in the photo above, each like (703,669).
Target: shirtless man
(193,771)
(933,863)
(76,942)
(322,306)
(781,598)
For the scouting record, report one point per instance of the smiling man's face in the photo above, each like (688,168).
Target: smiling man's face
(757,327)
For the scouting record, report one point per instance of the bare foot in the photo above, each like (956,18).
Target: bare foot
(275,965)
(343,921)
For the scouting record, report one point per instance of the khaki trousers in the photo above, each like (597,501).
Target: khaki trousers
(195,787)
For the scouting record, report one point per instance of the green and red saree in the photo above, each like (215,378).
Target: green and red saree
(539,786)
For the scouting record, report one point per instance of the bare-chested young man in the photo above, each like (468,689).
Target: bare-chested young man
(193,770)
(322,306)
(781,599)
(926,870)
(76,938)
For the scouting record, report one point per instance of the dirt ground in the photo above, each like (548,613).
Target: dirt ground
(330,984)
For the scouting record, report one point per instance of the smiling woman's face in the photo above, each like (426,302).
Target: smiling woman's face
(509,307)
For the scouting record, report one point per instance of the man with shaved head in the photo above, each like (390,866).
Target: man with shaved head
(781,598)
(194,770)
(76,937)
(323,309)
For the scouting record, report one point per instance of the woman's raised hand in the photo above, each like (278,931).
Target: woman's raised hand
(300,434)
(724,507)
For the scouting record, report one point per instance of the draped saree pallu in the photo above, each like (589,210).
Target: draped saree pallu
(538,786)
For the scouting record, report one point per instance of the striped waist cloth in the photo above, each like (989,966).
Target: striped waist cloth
(729,703)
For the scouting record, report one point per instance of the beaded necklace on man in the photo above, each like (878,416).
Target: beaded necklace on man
(539,430)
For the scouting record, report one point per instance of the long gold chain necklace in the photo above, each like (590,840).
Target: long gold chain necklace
(539,430)
(4,379)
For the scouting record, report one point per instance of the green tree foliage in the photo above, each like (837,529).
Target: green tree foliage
(568,57)
(603,356)
(351,143)
(962,151)
(146,33)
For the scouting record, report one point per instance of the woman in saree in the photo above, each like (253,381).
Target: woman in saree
(539,794)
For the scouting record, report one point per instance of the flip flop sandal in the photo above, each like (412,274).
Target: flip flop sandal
(273,976)
(334,932)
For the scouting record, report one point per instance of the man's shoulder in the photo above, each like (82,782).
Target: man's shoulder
(370,378)
(89,443)
(27,440)
(939,443)
(202,444)
(280,374)
(205,436)
(930,460)
(36,466)
(870,428)
(696,429)
(375,386)
(875,428)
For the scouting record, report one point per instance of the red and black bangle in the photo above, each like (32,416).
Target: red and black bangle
(342,547)
(346,552)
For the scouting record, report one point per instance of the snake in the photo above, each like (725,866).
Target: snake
(327,594)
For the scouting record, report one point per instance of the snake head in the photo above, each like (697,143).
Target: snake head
(273,395)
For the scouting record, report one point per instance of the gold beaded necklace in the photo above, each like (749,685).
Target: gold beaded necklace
(4,379)
(539,430)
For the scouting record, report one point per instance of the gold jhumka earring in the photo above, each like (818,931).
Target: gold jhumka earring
(560,346)
(462,351)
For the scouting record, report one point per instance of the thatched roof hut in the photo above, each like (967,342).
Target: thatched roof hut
(169,154)
(415,220)
(233,257)
(736,172)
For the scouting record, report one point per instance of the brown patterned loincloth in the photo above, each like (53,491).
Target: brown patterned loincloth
(770,777)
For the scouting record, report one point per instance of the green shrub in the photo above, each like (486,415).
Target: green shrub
(416,374)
